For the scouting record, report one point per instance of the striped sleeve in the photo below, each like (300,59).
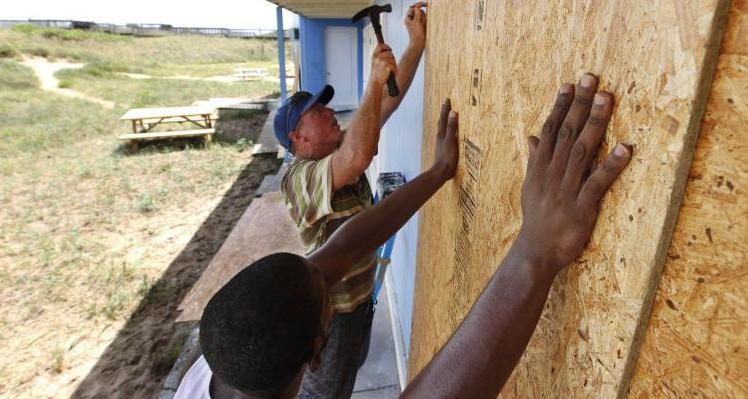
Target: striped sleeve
(307,188)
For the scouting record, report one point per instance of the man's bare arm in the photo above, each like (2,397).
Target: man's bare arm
(560,207)
(362,136)
(415,22)
(371,228)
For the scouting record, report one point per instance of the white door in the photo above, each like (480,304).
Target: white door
(341,66)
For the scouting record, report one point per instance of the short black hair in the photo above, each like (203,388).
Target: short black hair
(257,331)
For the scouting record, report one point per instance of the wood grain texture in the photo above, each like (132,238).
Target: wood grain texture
(696,341)
(501,63)
(264,229)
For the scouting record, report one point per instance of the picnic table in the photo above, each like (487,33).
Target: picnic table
(144,120)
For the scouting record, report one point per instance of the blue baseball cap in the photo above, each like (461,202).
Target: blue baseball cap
(288,114)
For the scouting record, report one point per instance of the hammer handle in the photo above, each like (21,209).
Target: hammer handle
(392,85)
(391,82)
(378,32)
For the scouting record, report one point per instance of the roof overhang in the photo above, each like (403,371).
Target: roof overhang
(323,8)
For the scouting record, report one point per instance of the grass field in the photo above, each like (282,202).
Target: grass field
(86,232)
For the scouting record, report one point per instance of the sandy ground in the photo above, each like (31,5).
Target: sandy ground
(129,358)
(46,70)
(140,354)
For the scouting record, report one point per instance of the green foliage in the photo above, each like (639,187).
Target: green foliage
(39,52)
(151,54)
(64,83)
(57,363)
(103,82)
(24,28)
(14,76)
(106,68)
(86,231)
(145,204)
(71,35)
(8,51)
(34,121)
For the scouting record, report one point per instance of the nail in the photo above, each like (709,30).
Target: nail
(621,151)
(587,80)
(600,99)
(452,114)
(565,89)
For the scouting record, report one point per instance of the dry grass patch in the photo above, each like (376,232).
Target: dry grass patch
(87,232)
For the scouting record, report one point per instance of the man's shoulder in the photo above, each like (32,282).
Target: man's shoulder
(196,383)
(306,179)
(302,165)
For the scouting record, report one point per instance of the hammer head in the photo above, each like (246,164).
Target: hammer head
(372,12)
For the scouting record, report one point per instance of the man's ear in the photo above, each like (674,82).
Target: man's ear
(296,138)
(294,135)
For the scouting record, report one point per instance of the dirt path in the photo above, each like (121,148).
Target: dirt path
(46,70)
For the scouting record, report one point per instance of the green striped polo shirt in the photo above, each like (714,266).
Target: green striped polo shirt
(318,212)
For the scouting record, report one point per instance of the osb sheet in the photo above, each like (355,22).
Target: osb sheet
(696,341)
(501,63)
(265,228)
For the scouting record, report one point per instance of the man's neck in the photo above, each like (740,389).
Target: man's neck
(219,390)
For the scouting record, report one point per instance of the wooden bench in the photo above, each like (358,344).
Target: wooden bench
(135,137)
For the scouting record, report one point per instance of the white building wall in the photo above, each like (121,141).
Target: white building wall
(400,150)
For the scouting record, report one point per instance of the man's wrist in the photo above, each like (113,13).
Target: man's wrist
(416,45)
(438,173)
(374,87)
(530,255)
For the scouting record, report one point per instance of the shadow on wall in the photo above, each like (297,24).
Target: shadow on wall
(135,364)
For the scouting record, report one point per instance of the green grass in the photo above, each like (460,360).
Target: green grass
(34,121)
(211,69)
(79,219)
(139,93)
(167,55)
(14,76)
(63,172)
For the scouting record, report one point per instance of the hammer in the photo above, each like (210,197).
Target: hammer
(373,13)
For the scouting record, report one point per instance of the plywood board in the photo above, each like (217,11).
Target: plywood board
(265,228)
(696,343)
(501,63)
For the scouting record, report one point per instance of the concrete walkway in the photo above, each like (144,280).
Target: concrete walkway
(378,376)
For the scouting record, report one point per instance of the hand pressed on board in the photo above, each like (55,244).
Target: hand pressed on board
(561,193)
(447,150)
(382,62)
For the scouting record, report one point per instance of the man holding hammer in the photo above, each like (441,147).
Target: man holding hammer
(325,185)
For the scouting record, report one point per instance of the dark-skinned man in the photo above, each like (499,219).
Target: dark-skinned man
(269,323)
(325,185)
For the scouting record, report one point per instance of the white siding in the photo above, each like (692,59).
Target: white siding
(400,150)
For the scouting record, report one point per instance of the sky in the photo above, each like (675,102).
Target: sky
(234,14)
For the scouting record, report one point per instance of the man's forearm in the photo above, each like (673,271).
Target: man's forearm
(366,231)
(477,364)
(362,136)
(406,70)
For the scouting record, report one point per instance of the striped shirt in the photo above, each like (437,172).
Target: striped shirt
(318,212)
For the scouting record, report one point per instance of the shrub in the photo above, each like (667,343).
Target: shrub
(39,52)
(7,51)
(16,76)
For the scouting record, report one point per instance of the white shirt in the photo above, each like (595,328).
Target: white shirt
(196,383)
